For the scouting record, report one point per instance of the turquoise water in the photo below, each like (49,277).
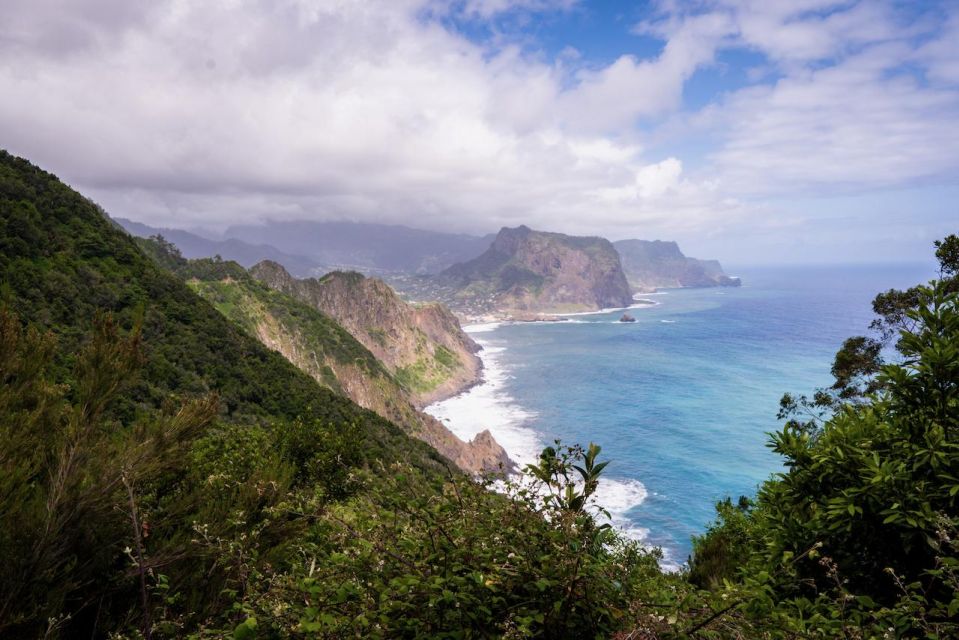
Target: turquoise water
(681,401)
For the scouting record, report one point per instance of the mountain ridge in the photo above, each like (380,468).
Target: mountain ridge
(365,247)
(399,253)
(653,264)
(537,271)
(320,347)
(423,346)
(194,245)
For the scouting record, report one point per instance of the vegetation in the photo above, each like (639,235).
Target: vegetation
(309,338)
(858,537)
(177,524)
(163,475)
(67,270)
(429,370)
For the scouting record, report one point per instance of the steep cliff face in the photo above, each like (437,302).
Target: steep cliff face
(422,346)
(657,264)
(535,271)
(317,345)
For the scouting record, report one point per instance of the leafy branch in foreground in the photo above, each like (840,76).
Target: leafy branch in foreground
(65,466)
(471,562)
(859,362)
(857,538)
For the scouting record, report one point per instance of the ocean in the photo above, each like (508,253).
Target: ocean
(682,400)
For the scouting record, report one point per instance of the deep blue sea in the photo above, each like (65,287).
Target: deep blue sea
(681,400)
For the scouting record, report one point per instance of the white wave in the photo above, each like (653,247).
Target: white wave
(481,328)
(644,305)
(668,321)
(488,406)
(619,497)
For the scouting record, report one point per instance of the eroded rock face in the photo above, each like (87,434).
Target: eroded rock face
(482,454)
(422,346)
(332,356)
(650,265)
(380,394)
(535,271)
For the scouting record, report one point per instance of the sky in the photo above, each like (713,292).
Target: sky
(748,130)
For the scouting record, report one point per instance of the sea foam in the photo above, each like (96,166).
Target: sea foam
(489,405)
(645,304)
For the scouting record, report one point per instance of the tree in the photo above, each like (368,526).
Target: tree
(69,471)
(858,536)
(859,361)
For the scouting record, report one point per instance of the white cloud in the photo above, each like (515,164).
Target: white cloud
(859,121)
(248,109)
(940,56)
(616,96)
(235,110)
(486,9)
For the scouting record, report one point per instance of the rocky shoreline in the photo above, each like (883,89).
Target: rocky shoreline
(481,454)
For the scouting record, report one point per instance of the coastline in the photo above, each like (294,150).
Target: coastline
(640,304)
(484,405)
(488,405)
(456,385)
(504,317)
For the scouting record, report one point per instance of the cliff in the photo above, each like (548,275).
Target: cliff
(535,271)
(422,346)
(650,265)
(317,345)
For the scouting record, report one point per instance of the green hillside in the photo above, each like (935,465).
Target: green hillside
(71,275)
(311,340)
(164,475)
(319,346)
(62,262)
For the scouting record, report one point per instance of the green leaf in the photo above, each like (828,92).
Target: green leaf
(246,630)
(866,601)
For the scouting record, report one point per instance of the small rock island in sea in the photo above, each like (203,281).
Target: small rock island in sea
(627,318)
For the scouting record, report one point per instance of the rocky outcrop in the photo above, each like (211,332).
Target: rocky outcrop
(319,346)
(535,271)
(650,265)
(423,346)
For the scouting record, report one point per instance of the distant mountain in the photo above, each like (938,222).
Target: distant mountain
(536,271)
(365,247)
(246,254)
(653,264)
(422,346)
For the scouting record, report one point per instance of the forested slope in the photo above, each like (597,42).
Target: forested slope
(322,348)
(164,475)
